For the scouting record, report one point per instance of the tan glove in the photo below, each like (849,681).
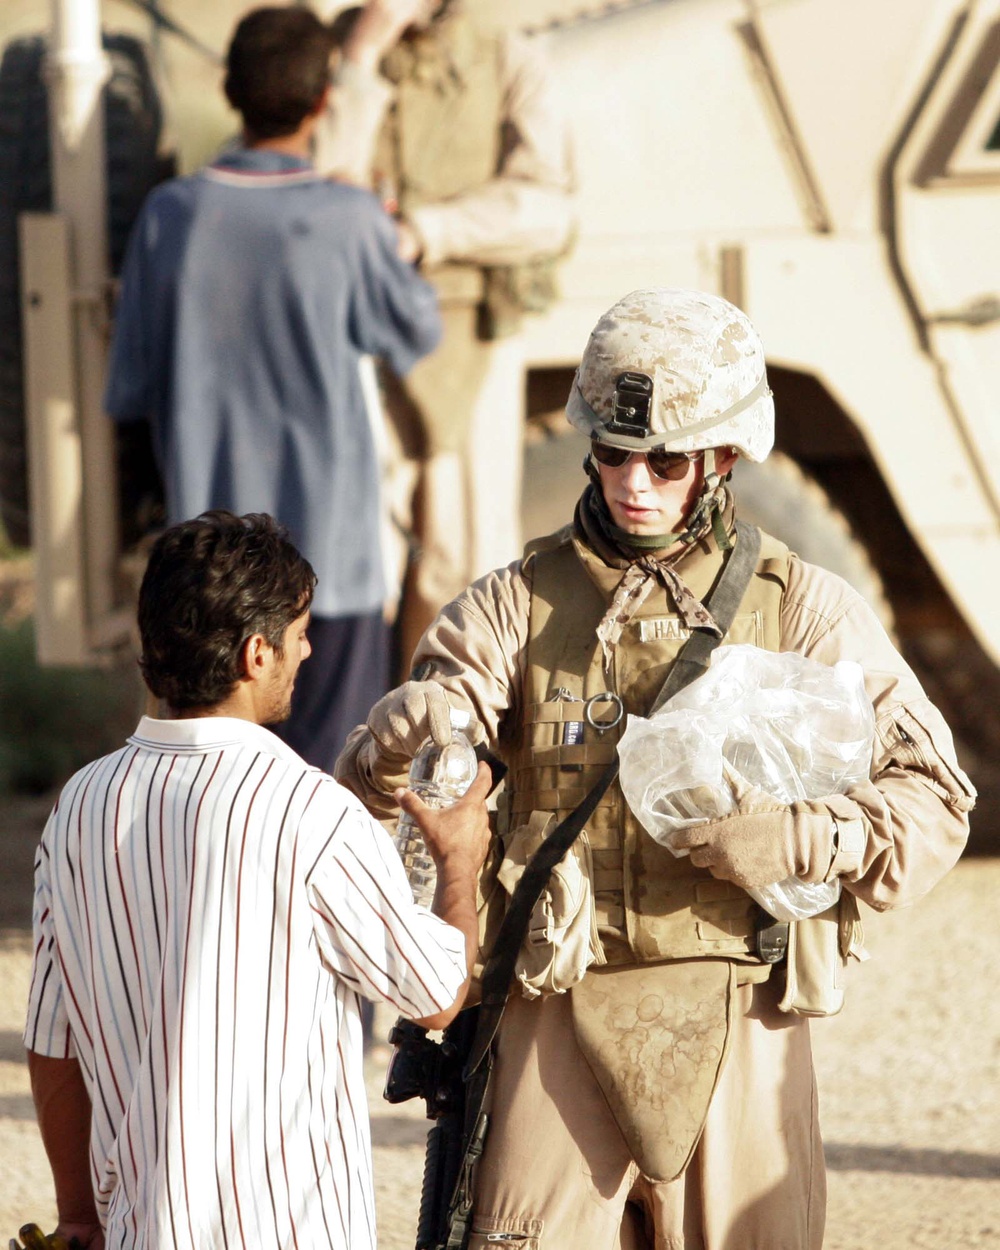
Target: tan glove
(764,842)
(402,720)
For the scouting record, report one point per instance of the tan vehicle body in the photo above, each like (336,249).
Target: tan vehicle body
(832,166)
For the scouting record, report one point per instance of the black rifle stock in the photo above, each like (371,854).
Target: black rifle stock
(424,1068)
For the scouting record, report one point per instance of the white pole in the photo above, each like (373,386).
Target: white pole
(77,70)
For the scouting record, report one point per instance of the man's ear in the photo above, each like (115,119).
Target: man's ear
(725,458)
(254,657)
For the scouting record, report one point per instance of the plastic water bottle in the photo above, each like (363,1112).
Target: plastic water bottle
(440,775)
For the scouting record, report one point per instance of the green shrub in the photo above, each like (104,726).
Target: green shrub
(55,720)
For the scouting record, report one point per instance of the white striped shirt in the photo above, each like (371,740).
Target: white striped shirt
(207,910)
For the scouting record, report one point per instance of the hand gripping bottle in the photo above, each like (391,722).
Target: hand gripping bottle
(440,775)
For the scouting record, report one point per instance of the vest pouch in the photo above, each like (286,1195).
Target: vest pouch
(562,941)
(816,962)
(656,1038)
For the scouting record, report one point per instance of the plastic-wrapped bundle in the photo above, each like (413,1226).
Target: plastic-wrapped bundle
(778,722)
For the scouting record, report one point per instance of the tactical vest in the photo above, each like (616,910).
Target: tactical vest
(651,905)
(442,134)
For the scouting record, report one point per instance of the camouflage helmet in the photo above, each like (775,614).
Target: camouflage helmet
(677,369)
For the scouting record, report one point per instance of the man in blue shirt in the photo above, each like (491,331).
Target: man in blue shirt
(250,292)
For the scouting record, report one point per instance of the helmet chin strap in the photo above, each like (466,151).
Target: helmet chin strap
(707,505)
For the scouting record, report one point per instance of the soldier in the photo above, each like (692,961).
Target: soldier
(654,1082)
(471,152)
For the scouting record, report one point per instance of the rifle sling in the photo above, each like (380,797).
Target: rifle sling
(691,662)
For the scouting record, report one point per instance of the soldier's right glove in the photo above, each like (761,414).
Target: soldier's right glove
(404,718)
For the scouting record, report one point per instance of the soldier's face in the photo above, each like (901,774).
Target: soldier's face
(641,503)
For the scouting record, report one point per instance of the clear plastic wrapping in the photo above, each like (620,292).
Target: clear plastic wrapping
(778,722)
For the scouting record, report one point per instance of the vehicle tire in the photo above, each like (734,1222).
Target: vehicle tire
(133,119)
(785,502)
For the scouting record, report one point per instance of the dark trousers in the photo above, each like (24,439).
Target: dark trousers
(347,672)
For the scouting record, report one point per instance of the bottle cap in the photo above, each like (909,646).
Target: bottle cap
(459,718)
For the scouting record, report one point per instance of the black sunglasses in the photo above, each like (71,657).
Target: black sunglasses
(669,465)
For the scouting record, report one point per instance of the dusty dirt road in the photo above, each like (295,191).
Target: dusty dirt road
(909,1077)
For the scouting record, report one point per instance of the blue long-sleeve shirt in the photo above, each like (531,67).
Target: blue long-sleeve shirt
(249,292)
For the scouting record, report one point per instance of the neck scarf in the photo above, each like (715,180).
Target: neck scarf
(643,570)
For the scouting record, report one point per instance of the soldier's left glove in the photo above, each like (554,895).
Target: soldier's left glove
(764,842)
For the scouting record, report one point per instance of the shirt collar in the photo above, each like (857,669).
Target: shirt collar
(259,161)
(210,733)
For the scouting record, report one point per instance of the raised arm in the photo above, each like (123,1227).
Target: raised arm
(368,929)
(457,838)
(524,210)
(346,137)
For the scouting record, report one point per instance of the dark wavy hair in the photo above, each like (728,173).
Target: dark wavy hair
(277,68)
(209,585)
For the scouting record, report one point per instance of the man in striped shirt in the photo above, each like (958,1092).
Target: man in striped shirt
(209,912)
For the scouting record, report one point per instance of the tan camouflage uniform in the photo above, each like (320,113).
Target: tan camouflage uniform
(555,1159)
(465,133)
(650,1089)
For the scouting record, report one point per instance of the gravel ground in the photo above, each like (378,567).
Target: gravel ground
(908,1075)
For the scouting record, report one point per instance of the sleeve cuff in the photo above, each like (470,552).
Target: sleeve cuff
(849,841)
(352,77)
(427,224)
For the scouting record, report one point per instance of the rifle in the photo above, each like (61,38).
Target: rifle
(453,1075)
(423,1068)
